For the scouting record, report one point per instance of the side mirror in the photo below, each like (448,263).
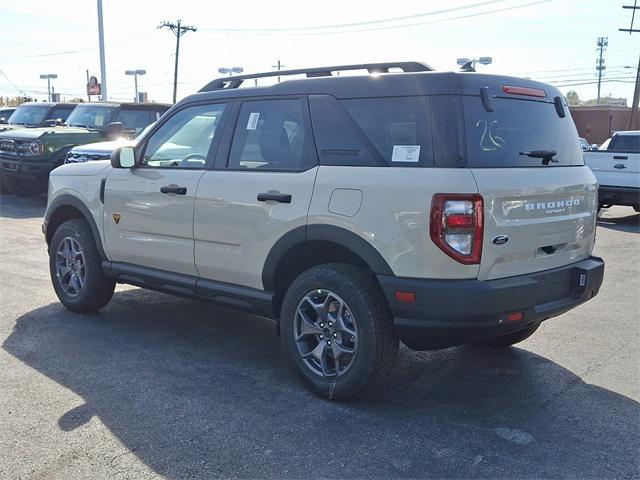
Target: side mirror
(123,157)
(3,121)
(112,130)
(50,122)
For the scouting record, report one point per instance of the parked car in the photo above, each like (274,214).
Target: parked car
(101,150)
(5,113)
(28,155)
(584,145)
(434,208)
(617,169)
(38,114)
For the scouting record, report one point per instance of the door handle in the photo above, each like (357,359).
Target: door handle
(620,157)
(274,197)
(619,166)
(174,189)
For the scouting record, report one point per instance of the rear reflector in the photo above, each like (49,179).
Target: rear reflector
(405,297)
(515,316)
(529,92)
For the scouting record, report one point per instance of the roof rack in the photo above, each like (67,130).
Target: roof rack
(236,81)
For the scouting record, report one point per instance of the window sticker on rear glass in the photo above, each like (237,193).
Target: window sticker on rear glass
(406,153)
(489,141)
(252,124)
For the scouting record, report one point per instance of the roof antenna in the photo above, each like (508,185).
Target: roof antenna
(468,67)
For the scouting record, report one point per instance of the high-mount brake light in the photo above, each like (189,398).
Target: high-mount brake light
(527,91)
(456,225)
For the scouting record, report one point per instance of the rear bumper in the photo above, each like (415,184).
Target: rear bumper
(609,195)
(454,312)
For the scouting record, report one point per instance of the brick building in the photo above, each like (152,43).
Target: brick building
(596,123)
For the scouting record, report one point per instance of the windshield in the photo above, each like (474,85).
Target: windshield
(515,128)
(91,116)
(29,115)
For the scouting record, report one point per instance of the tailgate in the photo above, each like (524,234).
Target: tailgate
(615,169)
(546,215)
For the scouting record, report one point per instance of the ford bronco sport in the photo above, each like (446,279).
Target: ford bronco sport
(28,155)
(431,208)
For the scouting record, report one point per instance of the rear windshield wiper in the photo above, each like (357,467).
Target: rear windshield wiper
(545,155)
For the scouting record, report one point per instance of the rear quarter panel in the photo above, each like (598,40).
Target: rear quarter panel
(393,214)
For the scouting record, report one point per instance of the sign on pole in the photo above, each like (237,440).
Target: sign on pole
(93,87)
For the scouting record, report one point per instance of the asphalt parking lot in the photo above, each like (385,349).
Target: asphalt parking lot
(156,386)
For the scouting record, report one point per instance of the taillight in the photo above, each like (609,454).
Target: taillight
(456,225)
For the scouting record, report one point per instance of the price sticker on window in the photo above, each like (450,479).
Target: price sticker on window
(252,124)
(406,153)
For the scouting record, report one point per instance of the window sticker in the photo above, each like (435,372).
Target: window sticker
(252,124)
(406,153)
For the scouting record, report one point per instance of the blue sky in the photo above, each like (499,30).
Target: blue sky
(549,40)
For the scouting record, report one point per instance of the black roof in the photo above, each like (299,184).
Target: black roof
(134,106)
(50,104)
(385,84)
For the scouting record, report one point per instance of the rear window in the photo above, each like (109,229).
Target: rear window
(499,138)
(625,143)
(399,128)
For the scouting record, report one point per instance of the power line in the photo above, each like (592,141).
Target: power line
(16,87)
(316,31)
(178,30)
(352,24)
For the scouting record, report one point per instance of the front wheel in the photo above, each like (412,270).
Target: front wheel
(336,328)
(76,268)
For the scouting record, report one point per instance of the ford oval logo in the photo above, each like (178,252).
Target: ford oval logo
(500,239)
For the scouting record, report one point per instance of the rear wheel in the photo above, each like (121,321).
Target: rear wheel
(76,268)
(336,328)
(504,341)
(23,187)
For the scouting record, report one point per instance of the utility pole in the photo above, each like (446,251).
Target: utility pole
(636,90)
(103,67)
(178,30)
(279,67)
(603,42)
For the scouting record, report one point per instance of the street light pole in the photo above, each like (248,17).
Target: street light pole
(230,70)
(48,77)
(103,66)
(135,74)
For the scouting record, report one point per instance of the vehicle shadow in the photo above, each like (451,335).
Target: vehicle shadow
(197,391)
(12,206)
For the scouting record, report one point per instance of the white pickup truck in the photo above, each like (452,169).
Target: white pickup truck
(616,165)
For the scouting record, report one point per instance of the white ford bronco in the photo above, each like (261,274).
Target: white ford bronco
(432,208)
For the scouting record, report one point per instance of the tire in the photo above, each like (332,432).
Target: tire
(365,314)
(96,289)
(23,187)
(504,341)
(4,190)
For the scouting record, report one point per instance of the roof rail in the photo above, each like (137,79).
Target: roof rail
(236,81)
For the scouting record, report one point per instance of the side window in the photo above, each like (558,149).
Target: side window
(60,112)
(399,128)
(184,140)
(270,135)
(133,119)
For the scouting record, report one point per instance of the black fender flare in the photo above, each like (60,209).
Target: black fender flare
(68,200)
(317,232)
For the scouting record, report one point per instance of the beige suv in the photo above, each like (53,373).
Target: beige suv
(432,208)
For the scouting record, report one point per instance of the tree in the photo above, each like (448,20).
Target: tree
(573,98)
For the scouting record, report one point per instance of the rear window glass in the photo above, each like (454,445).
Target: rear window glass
(625,143)
(398,128)
(501,138)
